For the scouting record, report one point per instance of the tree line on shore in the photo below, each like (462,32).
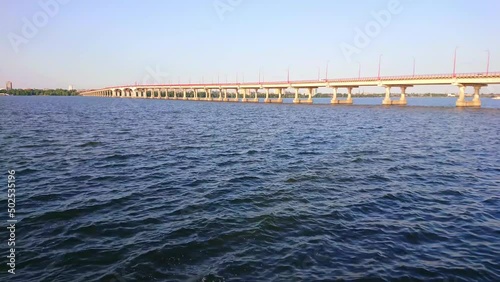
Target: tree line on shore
(40,92)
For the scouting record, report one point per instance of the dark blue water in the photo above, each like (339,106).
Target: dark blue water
(150,190)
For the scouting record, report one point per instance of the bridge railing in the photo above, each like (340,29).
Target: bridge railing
(312,81)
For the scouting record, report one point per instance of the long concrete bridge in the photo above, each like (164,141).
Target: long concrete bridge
(242,92)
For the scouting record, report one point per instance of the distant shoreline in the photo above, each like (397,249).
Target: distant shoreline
(40,92)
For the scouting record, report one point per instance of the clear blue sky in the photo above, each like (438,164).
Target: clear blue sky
(95,43)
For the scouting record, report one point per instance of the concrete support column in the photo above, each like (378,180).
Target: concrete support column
(256,98)
(267,100)
(280,93)
(208,94)
(349,95)
(387,98)
(334,97)
(310,92)
(184,96)
(477,90)
(225,99)
(461,96)
(296,100)
(244,100)
(236,94)
(402,99)
(476,102)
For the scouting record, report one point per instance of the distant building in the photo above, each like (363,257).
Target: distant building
(8,86)
(70,87)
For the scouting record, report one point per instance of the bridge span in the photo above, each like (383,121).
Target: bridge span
(231,92)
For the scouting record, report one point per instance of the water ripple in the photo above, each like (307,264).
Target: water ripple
(148,190)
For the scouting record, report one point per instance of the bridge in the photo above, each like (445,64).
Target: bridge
(231,92)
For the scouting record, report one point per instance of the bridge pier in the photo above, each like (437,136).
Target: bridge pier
(280,95)
(244,99)
(280,99)
(402,100)
(309,100)
(347,101)
(476,101)
(267,100)
(224,96)
(310,92)
(208,94)
(256,97)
